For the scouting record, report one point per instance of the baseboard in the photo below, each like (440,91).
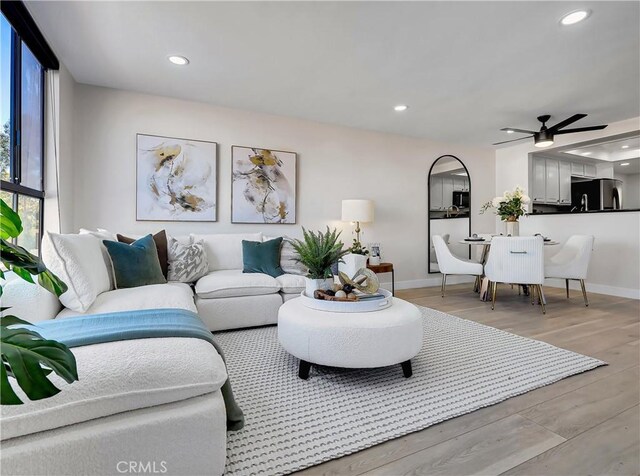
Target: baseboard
(436,280)
(433,280)
(596,288)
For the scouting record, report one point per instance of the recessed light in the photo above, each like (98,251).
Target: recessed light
(586,153)
(179,60)
(625,146)
(575,17)
(510,131)
(624,163)
(400,107)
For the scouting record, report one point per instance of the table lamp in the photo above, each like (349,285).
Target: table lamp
(358,211)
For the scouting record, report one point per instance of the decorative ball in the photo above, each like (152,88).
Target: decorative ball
(351,296)
(347,288)
(341,294)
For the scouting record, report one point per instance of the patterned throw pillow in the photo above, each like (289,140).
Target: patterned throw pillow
(187,262)
(288,259)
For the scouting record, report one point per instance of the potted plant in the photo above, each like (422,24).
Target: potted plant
(319,252)
(509,207)
(355,259)
(27,357)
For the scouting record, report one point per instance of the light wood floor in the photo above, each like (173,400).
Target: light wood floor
(587,424)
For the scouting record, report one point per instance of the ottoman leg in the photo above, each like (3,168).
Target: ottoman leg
(406,369)
(303,370)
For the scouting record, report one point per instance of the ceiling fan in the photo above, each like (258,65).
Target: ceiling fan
(544,138)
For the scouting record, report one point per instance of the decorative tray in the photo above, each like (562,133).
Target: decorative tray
(346,306)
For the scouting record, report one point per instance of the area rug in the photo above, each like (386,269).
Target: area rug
(292,424)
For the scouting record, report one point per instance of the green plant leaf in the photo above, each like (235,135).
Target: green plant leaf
(26,352)
(8,396)
(10,222)
(52,283)
(22,273)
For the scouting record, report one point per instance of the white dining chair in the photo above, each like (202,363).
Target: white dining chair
(516,260)
(450,264)
(571,262)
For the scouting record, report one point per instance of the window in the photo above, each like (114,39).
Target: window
(22,134)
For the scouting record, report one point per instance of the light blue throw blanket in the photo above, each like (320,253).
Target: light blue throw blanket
(142,324)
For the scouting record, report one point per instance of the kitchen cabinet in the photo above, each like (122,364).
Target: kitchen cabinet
(539,180)
(589,170)
(447,192)
(435,193)
(552,186)
(458,184)
(564,179)
(577,169)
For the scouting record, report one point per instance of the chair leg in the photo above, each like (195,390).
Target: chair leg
(566,284)
(532,292)
(584,293)
(444,284)
(541,297)
(493,295)
(476,285)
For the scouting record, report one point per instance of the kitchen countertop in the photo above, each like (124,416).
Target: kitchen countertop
(582,213)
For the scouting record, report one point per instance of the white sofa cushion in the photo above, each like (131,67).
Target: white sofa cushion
(117,377)
(187,262)
(78,261)
(102,235)
(291,283)
(234,283)
(225,251)
(153,296)
(289,257)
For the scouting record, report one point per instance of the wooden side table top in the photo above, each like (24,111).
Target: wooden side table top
(381,268)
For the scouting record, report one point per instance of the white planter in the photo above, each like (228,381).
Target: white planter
(513,228)
(352,263)
(311,285)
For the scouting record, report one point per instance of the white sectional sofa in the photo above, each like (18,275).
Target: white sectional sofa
(128,405)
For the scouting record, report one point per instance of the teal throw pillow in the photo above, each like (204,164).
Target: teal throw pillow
(263,257)
(135,264)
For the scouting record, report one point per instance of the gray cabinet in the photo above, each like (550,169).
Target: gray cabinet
(564,179)
(577,169)
(458,184)
(539,180)
(589,170)
(552,187)
(435,193)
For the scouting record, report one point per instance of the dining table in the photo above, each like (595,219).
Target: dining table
(482,286)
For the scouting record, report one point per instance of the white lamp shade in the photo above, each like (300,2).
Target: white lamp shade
(357,210)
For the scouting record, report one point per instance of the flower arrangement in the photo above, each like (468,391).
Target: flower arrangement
(509,207)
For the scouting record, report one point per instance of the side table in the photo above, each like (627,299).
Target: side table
(385,268)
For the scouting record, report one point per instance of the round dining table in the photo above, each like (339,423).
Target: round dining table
(484,281)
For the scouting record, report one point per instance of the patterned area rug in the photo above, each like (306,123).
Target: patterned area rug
(292,424)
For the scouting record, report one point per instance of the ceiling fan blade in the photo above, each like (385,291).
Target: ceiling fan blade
(580,129)
(512,140)
(523,131)
(566,122)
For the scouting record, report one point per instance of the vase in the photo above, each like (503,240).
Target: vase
(352,263)
(312,285)
(513,227)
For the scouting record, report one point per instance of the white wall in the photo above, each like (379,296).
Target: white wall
(630,190)
(334,163)
(615,268)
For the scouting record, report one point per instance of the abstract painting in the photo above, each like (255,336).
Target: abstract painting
(176,179)
(264,186)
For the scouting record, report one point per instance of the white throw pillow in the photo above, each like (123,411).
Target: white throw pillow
(225,251)
(103,234)
(187,263)
(78,261)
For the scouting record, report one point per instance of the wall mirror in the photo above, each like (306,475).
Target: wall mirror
(449,205)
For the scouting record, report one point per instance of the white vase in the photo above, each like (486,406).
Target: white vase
(352,263)
(513,228)
(311,285)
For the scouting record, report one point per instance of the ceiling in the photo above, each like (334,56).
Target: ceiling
(466,69)
(617,150)
(632,167)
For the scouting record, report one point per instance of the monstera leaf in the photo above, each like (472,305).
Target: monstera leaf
(29,358)
(25,355)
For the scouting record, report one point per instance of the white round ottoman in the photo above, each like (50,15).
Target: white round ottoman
(352,340)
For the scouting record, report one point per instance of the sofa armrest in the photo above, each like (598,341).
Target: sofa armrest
(27,301)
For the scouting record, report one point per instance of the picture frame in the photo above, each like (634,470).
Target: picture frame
(176,179)
(263,186)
